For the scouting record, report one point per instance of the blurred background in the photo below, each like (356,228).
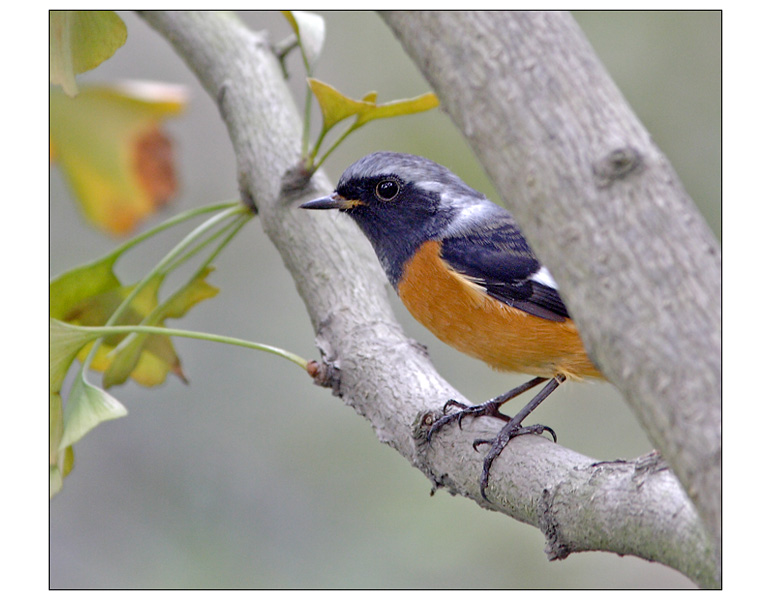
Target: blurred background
(250,477)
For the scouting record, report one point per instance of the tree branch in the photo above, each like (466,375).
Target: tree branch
(635,508)
(636,263)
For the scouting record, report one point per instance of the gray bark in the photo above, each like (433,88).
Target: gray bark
(633,507)
(637,265)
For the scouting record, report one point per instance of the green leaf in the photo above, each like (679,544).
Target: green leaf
(55,480)
(79,40)
(55,427)
(310,30)
(85,295)
(97,309)
(60,462)
(87,407)
(147,358)
(196,290)
(58,472)
(65,343)
(88,295)
(72,288)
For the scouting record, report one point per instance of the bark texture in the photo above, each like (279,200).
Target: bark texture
(627,507)
(636,263)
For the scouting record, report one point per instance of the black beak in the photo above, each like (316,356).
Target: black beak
(331,201)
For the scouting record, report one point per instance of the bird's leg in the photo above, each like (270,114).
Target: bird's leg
(487,409)
(515,428)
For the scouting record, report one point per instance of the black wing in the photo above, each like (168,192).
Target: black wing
(499,259)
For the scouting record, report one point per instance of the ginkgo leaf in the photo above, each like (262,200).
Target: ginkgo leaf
(113,152)
(88,295)
(398,108)
(309,29)
(55,427)
(334,105)
(97,309)
(73,287)
(60,462)
(147,358)
(55,481)
(79,40)
(87,407)
(65,342)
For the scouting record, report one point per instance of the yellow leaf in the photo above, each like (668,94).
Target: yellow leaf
(336,106)
(79,40)
(148,358)
(398,108)
(112,151)
(89,295)
(95,310)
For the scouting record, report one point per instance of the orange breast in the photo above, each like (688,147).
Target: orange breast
(464,316)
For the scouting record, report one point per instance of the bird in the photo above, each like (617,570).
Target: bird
(463,269)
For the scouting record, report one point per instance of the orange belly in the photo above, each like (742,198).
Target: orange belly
(464,316)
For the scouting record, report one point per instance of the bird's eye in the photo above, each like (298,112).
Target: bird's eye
(387,189)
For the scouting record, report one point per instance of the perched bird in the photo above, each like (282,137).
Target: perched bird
(463,269)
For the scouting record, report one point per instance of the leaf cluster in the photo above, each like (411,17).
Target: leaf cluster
(335,106)
(108,141)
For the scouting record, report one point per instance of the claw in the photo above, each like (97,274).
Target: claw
(512,429)
(455,403)
(552,433)
(480,443)
(509,431)
(439,424)
(490,409)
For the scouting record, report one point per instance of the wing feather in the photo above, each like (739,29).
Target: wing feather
(497,258)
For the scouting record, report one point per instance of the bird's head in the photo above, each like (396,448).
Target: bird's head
(400,201)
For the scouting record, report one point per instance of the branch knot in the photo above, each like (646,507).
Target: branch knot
(617,164)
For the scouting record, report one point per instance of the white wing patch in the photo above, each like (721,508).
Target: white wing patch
(544,277)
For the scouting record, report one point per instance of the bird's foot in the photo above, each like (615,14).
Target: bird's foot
(497,444)
(486,409)
(513,428)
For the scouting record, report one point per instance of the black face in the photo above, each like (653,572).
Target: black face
(388,205)
(399,201)
(388,192)
(396,215)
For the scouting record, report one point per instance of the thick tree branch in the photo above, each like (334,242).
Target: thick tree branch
(637,265)
(635,508)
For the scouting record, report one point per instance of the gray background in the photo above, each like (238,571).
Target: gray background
(250,476)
